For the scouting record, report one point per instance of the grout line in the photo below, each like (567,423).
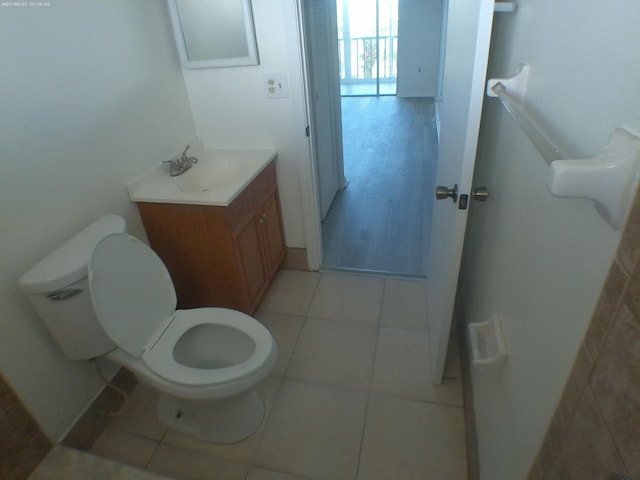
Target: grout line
(370,385)
(148,462)
(425,402)
(265,423)
(364,429)
(350,322)
(313,295)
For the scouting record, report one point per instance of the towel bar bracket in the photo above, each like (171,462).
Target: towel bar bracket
(610,179)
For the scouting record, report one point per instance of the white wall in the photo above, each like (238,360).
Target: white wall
(540,260)
(419,31)
(92,95)
(230,109)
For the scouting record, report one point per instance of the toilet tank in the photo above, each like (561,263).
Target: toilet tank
(58,289)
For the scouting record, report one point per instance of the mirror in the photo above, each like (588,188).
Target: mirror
(214,33)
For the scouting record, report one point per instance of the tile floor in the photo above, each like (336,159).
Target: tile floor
(349,399)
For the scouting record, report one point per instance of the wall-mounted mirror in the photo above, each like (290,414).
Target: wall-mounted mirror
(214,33)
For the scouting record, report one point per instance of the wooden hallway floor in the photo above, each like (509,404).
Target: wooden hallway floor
(380,222)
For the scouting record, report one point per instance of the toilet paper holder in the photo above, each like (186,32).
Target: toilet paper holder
(489,350)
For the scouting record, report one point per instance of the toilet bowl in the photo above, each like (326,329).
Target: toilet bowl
(205,362)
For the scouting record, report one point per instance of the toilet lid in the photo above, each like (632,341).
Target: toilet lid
(131,291)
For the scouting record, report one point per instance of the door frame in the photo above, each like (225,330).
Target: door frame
(332,126)
(308,172)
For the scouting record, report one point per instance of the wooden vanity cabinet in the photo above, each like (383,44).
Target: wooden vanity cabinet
(221,256)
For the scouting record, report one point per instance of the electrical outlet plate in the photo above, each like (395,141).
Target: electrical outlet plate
(276,85)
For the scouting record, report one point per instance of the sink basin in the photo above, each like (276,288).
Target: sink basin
(211,174)
(217,179)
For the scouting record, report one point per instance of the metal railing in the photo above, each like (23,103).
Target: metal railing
(359,57)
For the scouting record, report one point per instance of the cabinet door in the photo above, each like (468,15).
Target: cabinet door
(273,233)
(247,240)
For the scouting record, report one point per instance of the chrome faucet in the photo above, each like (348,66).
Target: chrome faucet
(181,164)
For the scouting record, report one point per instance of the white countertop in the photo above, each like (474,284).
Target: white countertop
(159,187)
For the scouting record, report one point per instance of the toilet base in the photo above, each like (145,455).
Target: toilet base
(226,421)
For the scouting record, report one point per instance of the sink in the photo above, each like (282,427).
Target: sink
(218,177)
(211,174)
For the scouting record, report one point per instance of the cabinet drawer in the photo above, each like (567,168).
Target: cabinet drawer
(252,196)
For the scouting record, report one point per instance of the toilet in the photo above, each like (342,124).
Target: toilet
(106,294)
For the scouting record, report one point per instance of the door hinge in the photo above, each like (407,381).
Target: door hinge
(307,131)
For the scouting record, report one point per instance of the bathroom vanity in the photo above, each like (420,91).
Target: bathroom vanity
(218,227)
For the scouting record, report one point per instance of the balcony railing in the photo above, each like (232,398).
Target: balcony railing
(359,57)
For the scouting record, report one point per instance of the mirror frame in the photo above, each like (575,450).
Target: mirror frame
(250,59)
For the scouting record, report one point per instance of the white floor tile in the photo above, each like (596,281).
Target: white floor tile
(404,304)
(411,440)
(262,474)
(351,298)
(334,353)
(291,292)
(124,448)
(314,431)
(285,329)
(402,369)
(70,464)
(181,464)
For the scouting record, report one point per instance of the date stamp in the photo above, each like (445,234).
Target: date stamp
(19,4)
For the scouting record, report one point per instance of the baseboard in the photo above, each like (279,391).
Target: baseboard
(471,437)
(295,259)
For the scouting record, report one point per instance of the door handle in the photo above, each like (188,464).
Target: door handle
(445,192)
(480,194)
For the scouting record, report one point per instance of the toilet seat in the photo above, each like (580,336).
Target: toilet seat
(134,299)
(131,291)
(160,357)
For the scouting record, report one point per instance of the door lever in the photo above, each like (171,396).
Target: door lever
(445,192)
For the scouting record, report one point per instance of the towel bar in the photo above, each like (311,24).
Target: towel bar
(610,179)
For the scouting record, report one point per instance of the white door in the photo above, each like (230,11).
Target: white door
(467,37)
(322,54)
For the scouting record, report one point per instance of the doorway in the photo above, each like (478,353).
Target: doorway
(367,46)
(380,222)
(378,219)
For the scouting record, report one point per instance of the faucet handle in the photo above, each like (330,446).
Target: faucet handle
(185,160)
(184,152)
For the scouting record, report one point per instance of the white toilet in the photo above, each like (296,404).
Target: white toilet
(106,294)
